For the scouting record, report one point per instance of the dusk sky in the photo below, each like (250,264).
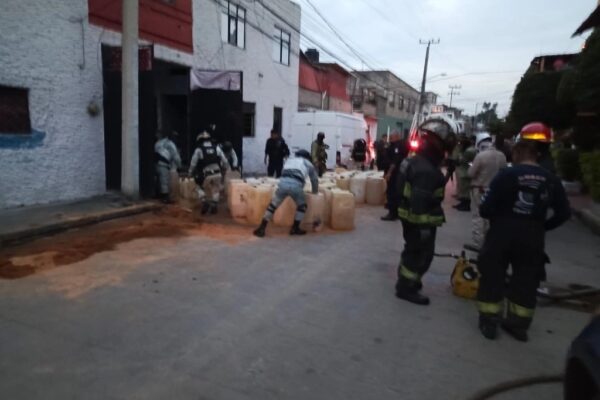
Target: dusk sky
(485,45)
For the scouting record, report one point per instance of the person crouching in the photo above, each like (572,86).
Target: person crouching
(293,177)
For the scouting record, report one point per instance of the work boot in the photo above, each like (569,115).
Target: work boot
(519,334)
(411,294)
(389,217)
(296,229)
(205,208)
(488,327)
(260,231)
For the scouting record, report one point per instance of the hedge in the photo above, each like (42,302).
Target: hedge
(590,168)
(567,164)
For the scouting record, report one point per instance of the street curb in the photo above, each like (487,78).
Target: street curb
(589,219)
(78,222)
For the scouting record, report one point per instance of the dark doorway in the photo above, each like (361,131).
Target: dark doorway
(277,119)
(111,62)
(173,117)
(224,110)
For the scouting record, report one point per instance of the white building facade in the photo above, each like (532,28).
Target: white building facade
(51,75)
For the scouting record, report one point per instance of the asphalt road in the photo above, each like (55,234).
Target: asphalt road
(279,318)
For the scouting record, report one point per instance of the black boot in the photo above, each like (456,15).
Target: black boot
(205,208)
(516,332)
(389,217)
(260,231)
(409,291)
(296,229)
(488,327)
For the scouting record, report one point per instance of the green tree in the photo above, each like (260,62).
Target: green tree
(535,99)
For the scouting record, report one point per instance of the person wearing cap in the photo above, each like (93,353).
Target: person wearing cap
(207,166)
(421,186)
(318,153)
(488,162)
(295,172)
(516,205)
(167,157)
(276,151)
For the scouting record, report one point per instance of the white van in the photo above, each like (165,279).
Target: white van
(341,130)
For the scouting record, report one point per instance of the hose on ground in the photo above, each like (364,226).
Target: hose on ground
(515,384)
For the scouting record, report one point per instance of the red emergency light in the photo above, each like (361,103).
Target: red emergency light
(414,144)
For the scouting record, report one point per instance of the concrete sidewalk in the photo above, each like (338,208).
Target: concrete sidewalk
(587,211)
(25,223)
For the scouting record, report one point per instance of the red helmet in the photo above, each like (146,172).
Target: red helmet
(536,131)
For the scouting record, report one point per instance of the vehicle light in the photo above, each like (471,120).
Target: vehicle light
(414,144)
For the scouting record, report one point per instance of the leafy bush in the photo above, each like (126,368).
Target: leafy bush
(567,163)
(590,168)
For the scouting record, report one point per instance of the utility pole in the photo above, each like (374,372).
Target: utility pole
(453,92)
(422,96)
(130,169)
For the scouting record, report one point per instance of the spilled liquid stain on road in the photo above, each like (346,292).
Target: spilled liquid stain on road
(77,245)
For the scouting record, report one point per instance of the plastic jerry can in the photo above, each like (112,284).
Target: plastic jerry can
(328,195)
(358,187)
(375,191)
(285,213)
(237,198)
(313,218)
(343,182)
(258,200)
(342,210)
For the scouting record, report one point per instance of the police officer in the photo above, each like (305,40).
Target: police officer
(397,151)
(276,151)
(516,205)
(207,165)
(295,172)
(167,156)
(421,188)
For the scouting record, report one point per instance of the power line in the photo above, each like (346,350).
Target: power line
(454,92)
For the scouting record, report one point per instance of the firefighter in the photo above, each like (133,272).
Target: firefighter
(516,205)
(541,134)
(421,189)
(397,151)
(318,153)
(488,162)
(293,177)
(167,157)
(207,166)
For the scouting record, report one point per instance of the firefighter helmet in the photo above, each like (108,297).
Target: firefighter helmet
(441,130)
(536,131)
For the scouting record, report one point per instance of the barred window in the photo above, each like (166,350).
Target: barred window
(14,110)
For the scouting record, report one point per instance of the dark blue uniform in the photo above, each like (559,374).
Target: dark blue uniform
(517,206)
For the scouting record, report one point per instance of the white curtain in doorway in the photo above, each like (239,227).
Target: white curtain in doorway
(220,80)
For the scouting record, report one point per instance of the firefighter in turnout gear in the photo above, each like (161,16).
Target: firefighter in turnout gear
(421,189)
(167,157)
(293,177)
(207,165)
(517,205)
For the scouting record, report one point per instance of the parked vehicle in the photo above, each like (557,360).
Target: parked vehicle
(341,130)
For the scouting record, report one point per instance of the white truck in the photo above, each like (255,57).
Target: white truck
(341,130)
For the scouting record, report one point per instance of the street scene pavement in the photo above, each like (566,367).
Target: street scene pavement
(204,310)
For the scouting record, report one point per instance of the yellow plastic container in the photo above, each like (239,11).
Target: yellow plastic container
(313,218)
(259,198)
(342,210)
(284,216)
(375,192)
(237,198)
(358,187)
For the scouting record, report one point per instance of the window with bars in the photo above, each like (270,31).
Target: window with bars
(14,110)
(281,46)
(249,110)
(233,25)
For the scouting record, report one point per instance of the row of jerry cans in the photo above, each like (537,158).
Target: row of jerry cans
(367,187)
(331,206)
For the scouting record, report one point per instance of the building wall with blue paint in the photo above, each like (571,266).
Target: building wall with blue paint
(43,50)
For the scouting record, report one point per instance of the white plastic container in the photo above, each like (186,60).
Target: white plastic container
(358,187)
(342,210)
(375,195)
(237,198)
(313,218)
(343,182)
(258,200)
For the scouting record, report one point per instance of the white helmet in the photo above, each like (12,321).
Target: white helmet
(480,141)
